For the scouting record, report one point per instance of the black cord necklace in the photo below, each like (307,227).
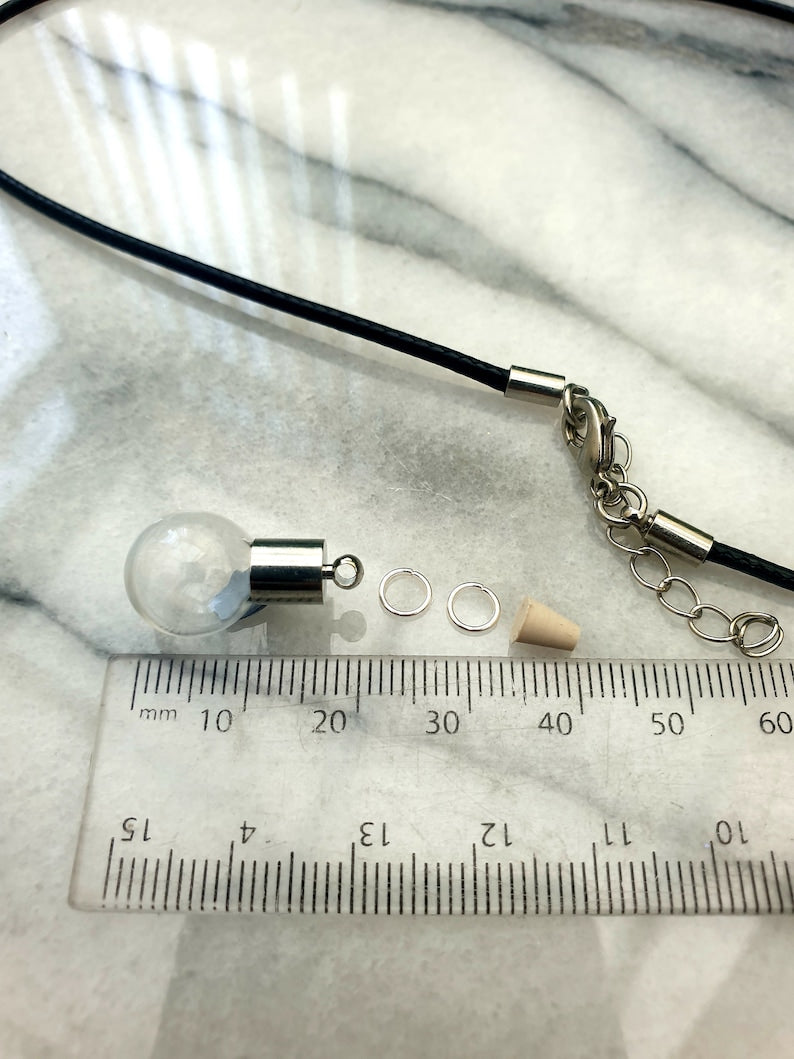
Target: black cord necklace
(588,429)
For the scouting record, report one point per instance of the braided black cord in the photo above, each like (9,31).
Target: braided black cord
(752,565)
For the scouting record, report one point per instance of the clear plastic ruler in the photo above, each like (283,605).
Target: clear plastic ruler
(440,786)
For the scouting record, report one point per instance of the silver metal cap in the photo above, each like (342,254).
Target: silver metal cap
(538,387)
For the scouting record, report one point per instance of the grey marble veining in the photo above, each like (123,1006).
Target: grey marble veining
(600,189)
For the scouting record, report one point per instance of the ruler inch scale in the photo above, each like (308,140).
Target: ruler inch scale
(421,786)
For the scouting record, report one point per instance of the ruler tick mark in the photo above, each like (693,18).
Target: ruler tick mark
(620,887)
(535,876)
(203,886)
(762,866)
(573,889)
(755,888)
(719,680)
(741,886)
(694,887)
(229,876)
(143,882)
(135,684)
(741,684)
(168,879)
(716,876)
(247,680)
(217,883)
(118,880)
(669,887)
(788,883)
(129,884)
(729,670)
(107,870)
(730,886)
(192,880)
(585,890)
(634,688)
(352,872)
(689,689)
(711,683)
(179,884)
(154,883)
(633,886)
(777,880)
(290,879)
(752,682)
(760,672)
(559,883)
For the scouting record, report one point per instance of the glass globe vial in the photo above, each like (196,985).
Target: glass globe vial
(189,574)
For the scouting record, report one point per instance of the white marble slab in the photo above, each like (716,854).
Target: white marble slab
(601,190)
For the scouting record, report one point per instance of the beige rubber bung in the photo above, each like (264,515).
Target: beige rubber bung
(538,624)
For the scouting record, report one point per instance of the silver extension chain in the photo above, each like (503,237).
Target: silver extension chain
(623,508)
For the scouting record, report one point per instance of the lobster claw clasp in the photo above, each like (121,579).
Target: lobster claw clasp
(590,429)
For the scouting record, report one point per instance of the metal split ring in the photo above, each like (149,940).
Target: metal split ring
(767,644)
(465,626)
(392,575)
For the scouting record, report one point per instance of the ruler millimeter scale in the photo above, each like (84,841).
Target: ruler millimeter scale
(438,786)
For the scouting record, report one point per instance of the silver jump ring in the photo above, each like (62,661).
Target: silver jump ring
(629,515)
(742,622)
(625,463)
(392,575)
(465,626)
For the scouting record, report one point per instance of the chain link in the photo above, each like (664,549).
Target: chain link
(623,507)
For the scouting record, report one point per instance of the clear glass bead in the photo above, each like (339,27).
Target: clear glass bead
(188,574)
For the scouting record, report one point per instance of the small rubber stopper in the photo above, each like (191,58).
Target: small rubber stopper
(535,623)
